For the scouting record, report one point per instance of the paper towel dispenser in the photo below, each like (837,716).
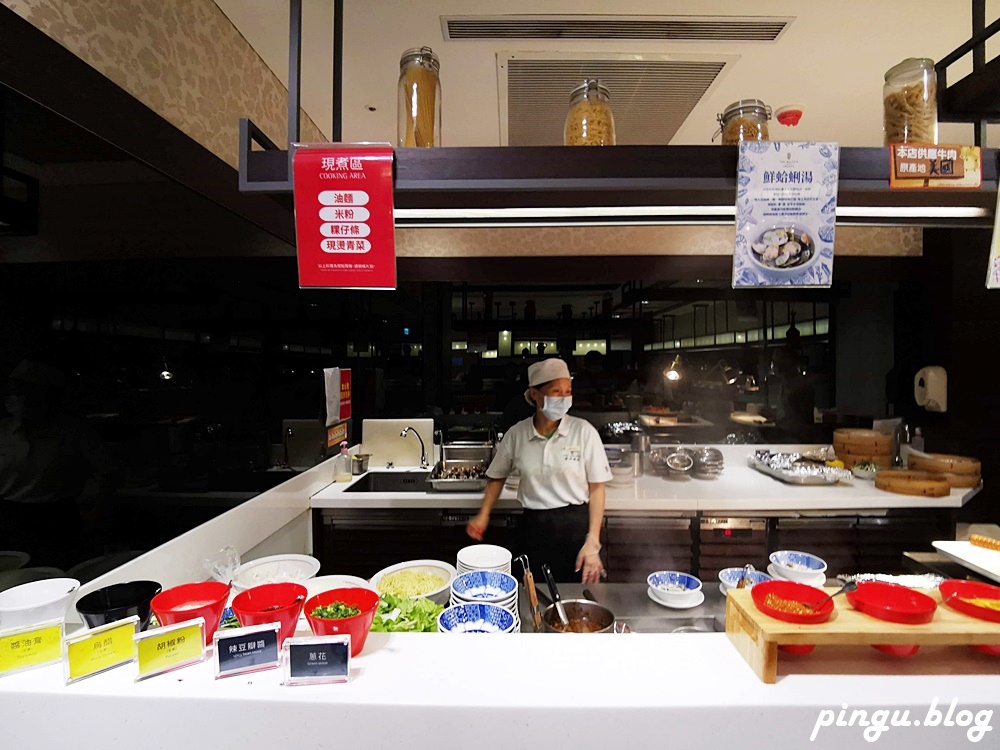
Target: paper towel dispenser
(930,388)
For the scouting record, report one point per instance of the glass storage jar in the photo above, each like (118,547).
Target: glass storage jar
(589,121)
(745,120)
(419,105)
(909,102)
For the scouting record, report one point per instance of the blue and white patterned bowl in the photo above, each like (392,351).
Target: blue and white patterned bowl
(672,581)
(798,566)
(673,587)
(730,577)
(476,618)
(484,586)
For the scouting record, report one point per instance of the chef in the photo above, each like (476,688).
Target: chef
(563,468)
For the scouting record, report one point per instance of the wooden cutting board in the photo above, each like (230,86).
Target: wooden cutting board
(757,636)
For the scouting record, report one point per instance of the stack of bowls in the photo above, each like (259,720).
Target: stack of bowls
(801,567)
(474,617)
(487,587)
(483,557)
(674,589)
(708,463)
(729,578)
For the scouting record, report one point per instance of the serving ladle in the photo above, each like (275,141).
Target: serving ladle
(845,589)
(554,593)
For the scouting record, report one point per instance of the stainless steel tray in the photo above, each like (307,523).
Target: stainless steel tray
(458,485)
(797,473)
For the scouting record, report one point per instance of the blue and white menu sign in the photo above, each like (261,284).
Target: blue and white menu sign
(786,214)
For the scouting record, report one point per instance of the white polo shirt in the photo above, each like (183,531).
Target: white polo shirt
(556,471)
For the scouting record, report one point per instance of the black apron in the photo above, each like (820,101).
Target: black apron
(555,537)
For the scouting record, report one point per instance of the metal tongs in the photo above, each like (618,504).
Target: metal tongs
(529,585)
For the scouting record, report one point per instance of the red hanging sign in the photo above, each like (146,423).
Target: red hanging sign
(343,216)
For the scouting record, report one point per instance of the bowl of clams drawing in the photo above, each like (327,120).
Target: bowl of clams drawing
(785,250)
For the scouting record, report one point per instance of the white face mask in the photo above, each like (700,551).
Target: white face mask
(555,407)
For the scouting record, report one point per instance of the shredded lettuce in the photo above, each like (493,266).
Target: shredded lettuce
(396,614)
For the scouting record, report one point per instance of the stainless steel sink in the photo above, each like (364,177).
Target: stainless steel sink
(391,481)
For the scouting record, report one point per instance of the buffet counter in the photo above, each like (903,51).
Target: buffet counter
(529,690)
(738,489)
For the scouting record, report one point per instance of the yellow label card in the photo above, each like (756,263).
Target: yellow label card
(167,648)
(100,649)
(30,647)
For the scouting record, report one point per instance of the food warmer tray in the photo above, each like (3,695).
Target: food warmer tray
(455,485)
(784,467)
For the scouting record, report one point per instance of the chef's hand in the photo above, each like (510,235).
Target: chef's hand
(589,559)
(476,526)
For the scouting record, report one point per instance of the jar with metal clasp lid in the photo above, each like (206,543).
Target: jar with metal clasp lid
(745,120)
(589,121)
(419,99)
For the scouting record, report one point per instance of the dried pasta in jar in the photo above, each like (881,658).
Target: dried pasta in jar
(745,120)
(909,102)
(589,121)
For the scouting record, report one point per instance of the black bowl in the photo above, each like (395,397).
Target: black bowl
(118,601)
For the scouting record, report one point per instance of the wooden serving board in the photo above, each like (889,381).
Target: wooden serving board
(757,636)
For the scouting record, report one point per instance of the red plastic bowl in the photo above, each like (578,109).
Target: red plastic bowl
(796,592)
(271,602)
(357,627)
(970,590)
(892,603)
(993,650)
(190,600)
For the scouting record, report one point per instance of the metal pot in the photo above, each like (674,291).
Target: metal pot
(582,609)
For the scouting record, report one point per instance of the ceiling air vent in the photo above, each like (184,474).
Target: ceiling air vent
(629,28)
(651,95)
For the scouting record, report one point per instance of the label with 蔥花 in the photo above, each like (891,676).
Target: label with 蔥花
(317,660)
(102,648)
(30,647)
(168,648)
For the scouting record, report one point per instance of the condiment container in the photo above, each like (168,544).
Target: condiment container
(744,120)
(909,102)
(419,102)
(589,121)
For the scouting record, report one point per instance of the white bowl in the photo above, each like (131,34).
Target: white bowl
(319,584)
(39,601)
(485,557)
(793,565)
(275,569)
(673,598)
(434,567)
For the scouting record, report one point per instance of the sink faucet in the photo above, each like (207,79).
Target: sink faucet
(423,451)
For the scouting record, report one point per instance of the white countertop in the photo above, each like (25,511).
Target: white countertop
(440,691)
(738,489)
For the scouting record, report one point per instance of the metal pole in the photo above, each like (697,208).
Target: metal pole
(338,71)
(294,72)
(979,60)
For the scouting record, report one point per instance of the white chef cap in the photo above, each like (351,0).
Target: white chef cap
(545,371)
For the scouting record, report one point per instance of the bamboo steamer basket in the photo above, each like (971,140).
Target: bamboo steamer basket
(860,442)
(916,483)
(944,463)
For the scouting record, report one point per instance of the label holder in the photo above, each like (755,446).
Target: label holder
(317,660)
(73,646)
(265,641)
(47,653)
(155,664)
